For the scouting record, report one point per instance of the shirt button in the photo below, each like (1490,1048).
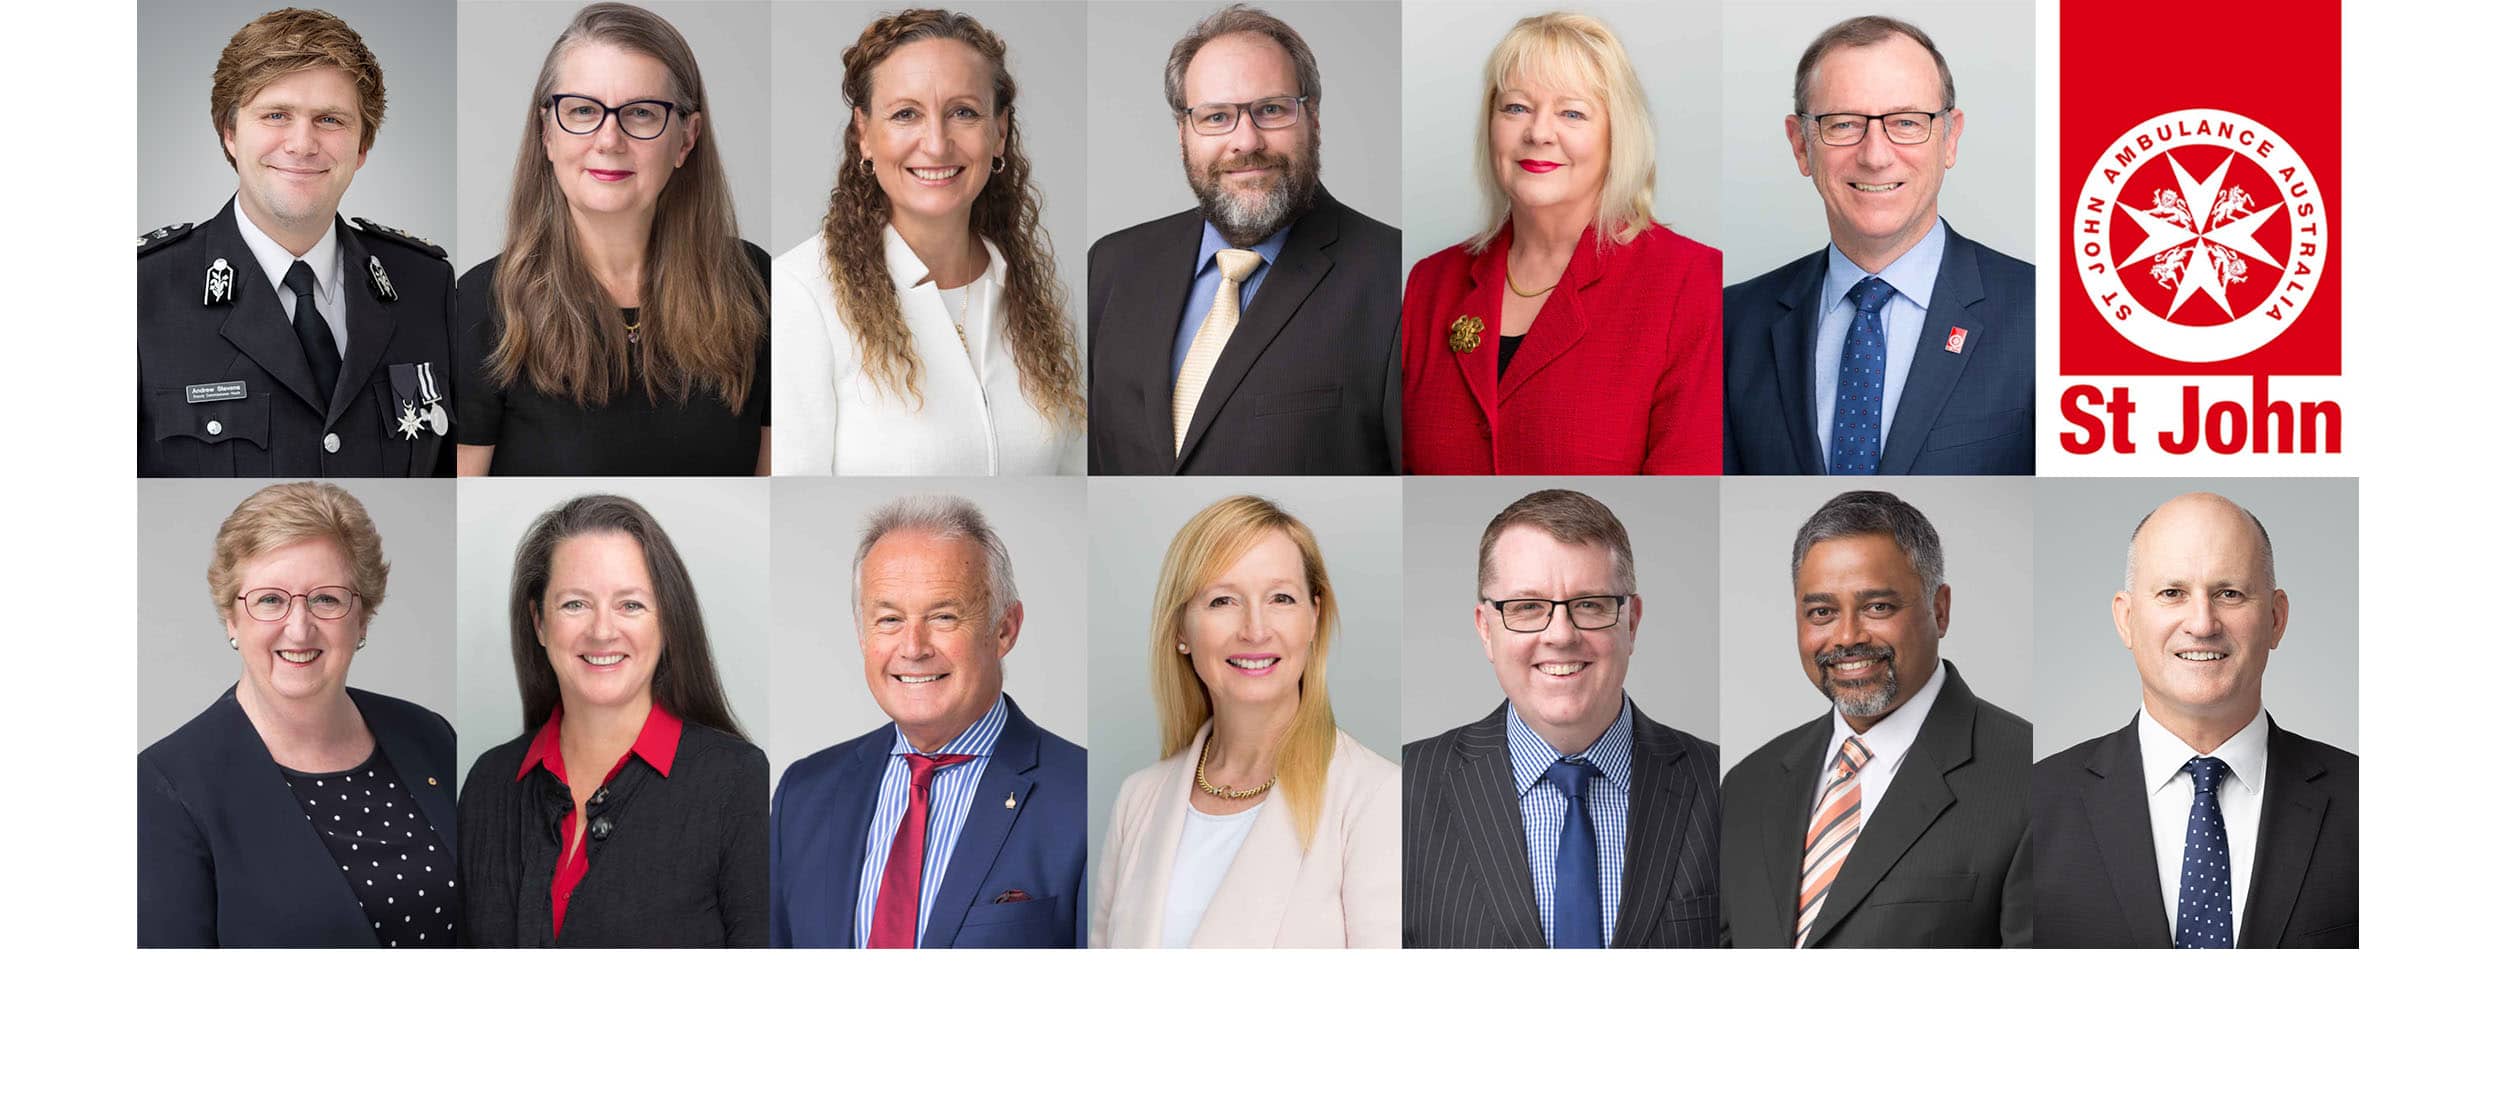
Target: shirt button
(330,443)
(216,427)
(600,827)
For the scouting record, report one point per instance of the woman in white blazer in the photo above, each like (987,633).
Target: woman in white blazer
(923,331)
(1264,824)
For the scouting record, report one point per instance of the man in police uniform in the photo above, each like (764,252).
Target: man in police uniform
(277,339)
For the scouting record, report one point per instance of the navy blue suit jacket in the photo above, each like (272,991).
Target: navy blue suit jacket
(226,857)
(1966,413)
(1036,847)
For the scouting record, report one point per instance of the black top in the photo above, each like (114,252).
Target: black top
(539,434)
(400,870)
(1510,346)
(683,863)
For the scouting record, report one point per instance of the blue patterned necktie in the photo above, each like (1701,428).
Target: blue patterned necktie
(1578,922)
(1858,410)
(2205,871)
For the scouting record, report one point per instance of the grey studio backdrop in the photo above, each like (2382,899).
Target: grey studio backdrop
(502,43)
(1985,524)
(719,526)
(1674,525)
(820,693)
(1133,142)
(408,653)
(1131,524)
(1674,49)
(406,179)
(1046,54)
(2084,524)
(1988,194)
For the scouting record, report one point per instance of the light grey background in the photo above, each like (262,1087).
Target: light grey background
(1675,50)
(1674,524)
(720,527)
(1133,143)
(408,653)
(1775,215)
(1986,527)
(1046,54)
(2082,531)
(1132,523)
(820,687)
(502,43)
(406,179)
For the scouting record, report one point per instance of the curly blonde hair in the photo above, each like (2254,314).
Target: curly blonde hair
(290,513)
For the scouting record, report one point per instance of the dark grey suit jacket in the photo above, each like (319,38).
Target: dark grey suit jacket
(1308,383)
(1467,881)
(2098,884)
(1945,861)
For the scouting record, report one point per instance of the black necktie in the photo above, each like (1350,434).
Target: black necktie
(313,332)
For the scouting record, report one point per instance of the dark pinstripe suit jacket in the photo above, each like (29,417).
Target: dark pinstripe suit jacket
(1467,882)
(1946,861)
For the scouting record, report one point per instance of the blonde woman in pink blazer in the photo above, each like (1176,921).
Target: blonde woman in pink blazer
(1264,824)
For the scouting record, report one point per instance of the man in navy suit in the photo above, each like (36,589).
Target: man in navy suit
(1903,348)
(959,823)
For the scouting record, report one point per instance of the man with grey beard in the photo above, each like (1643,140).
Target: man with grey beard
(1902,817)
(1257,333)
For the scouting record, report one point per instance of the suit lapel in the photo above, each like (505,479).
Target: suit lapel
(1916,796)
(1481,366)
(1248,908)
(265,807)
(430,788)
(1562,323)
(1792,362)
(1486,814)
(1150,868)
(2123,830)
(1788,811)
(1662,804)
(1933,370)
(256,323)
(2287,835)
(986,825)
(370,321)
(851,804)
(1300,267)
(1143,339)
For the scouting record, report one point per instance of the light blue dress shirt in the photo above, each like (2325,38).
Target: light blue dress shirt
(1202,287)
(1541,806)
(1913,277)
(950,801)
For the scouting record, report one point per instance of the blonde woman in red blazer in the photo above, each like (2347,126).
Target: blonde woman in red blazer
(1574,335)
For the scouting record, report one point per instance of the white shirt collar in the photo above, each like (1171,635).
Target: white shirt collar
(908,271)
(1888,740)
(2165,753)
(275,259)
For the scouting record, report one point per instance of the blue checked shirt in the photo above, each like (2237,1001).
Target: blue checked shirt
(950,800)
(1541,806)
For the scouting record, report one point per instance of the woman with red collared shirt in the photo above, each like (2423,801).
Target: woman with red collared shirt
(1574,335)
(633,813)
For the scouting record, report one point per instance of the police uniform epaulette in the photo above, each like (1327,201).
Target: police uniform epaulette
(386,232)
(162,236)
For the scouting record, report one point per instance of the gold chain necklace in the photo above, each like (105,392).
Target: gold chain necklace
(960,316)
(1226,792)
(633,330)
(1523,293)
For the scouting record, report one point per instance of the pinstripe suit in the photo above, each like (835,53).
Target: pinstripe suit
(1467,878)
(1945,860)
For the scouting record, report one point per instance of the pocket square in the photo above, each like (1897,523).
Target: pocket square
(1012,896)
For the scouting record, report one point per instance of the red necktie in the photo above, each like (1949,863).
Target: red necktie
(897,923)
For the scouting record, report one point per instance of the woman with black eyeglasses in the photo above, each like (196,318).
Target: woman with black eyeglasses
(622,331)
(296,811)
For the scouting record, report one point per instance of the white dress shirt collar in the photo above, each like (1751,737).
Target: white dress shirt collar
(275,260)
(1886,741)
(910,272)
(2165,754)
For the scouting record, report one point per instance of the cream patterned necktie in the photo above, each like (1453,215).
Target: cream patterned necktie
(1834,831)
(1236,266)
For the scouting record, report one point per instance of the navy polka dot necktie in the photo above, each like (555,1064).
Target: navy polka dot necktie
(2205,871)
(1858,410)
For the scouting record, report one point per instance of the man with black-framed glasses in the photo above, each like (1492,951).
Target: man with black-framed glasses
(1617,814)
(1902,347)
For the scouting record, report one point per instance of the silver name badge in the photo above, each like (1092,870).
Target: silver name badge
(214,393)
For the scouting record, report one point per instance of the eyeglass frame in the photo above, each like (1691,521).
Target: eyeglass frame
(306,596)
(559,96)
(1814,125)
(1500,612)
(1189,115)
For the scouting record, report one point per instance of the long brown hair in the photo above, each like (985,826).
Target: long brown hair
(685,682)
(703,304)
(1007,213)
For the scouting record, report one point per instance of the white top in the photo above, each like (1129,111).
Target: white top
(1886,742)
(275,260)
(1208,844)
(2170,793)
(973,418)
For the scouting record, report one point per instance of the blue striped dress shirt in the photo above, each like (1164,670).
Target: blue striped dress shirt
(1541,806)
(950,800)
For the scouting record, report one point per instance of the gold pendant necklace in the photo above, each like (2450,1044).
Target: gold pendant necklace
(1226,792)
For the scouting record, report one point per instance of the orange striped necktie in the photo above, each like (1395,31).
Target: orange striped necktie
(1834,831)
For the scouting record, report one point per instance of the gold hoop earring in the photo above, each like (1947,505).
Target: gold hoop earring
(998,164)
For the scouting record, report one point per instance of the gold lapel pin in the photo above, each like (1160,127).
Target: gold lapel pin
(1466,334)
(1011,801)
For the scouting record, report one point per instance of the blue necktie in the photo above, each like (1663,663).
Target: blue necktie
(1578,922)
(2205,871)
(1858,411)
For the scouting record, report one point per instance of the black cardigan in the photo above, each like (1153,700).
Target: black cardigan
(683,863)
